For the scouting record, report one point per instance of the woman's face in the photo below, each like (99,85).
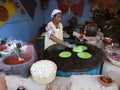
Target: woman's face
(57,18)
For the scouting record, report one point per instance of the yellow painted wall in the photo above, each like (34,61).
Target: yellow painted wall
(11,10)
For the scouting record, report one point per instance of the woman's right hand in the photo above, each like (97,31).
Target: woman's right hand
(67,44)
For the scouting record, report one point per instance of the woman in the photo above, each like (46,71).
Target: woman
(54,30)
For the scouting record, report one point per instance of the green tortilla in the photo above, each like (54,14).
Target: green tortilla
(65,54)
(79,48)
(84,55)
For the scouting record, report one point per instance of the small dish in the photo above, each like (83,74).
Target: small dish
(114,58)
(105,80)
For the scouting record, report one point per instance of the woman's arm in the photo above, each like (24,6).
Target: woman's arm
(52,37)
(50,33)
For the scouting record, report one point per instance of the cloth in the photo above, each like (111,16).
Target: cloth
(14,81)
(89,82)
(52,30)
(62,6)
(112,71)
(68,82)
(76,8)
(55,11)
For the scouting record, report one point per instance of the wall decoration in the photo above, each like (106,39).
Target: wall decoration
(23,11)
(2,1)
(71,5)
(11,1)
(101,5)
(44,4)
(77,8)
(92,1)
(8,10)
(30,6)
(69,2)
(3,13)
(106,3)
(17,4)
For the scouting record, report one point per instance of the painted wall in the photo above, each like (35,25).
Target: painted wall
(86,16)
(22,27)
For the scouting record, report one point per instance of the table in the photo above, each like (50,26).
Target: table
(74,82)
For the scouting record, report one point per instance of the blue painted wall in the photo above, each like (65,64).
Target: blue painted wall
(86,16)
(22,26)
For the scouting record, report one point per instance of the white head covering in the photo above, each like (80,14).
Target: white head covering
(55,11)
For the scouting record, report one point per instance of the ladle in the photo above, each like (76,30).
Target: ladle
(19,58)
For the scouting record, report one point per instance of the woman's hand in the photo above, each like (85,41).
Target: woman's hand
(67,44)
(59,41)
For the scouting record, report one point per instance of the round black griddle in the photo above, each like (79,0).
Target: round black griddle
(74,63)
